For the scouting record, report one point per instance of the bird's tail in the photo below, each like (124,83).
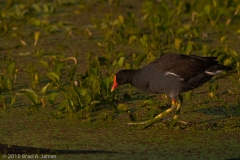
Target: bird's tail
(217,69)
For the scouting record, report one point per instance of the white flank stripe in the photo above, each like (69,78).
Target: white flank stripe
(214,73)
(170,73)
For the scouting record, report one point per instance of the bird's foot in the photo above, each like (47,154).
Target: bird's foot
(174,106)
(155,119)
(182,122)
(174,121)
(176,118)
(171,121)
(148,122)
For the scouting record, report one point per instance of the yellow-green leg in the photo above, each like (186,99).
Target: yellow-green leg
(161,115)
(175,105)
(178,107)
(176,116)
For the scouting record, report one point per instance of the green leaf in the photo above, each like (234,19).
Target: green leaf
(36,37)
(89,55)
(63,105)
(95,63)
(94,71)
(102,116)
(83,92)
(121,19)
(44,64)
(178,44)
(119,55)
(87,98)
(132,39)
(147,6)
(143,41)
(234,55)
(12,101)
(106,83)
(206,50)
(44,89)
(10,68)
(58,67)
(122,107)
(94,84)
(52,97)
(53,77)
(181,31)
(188,95)
(95,102)
(138,60)
(223,39)
(227,62)
(7,83)
(238,66)
(120,61)
(35,79)
(77,90)
(207,9)
(188,50)
(32,96)
(88,108)
(148,102)
(221,57)
(70,103)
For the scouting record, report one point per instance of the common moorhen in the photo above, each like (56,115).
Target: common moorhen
(170,74)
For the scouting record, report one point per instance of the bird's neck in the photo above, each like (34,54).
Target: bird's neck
(133,75)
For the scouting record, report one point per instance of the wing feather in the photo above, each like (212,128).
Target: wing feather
(183,65)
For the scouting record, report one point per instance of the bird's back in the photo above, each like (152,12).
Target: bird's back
(175,73)
(182,65)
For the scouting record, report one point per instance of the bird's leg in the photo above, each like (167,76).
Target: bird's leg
(158,117)
(176,116)
(178,107)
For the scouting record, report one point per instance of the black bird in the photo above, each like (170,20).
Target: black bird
(170,74)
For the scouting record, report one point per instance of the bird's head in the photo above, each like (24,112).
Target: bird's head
(121,77)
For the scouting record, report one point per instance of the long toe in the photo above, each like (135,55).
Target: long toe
(170,120)
(158,117)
